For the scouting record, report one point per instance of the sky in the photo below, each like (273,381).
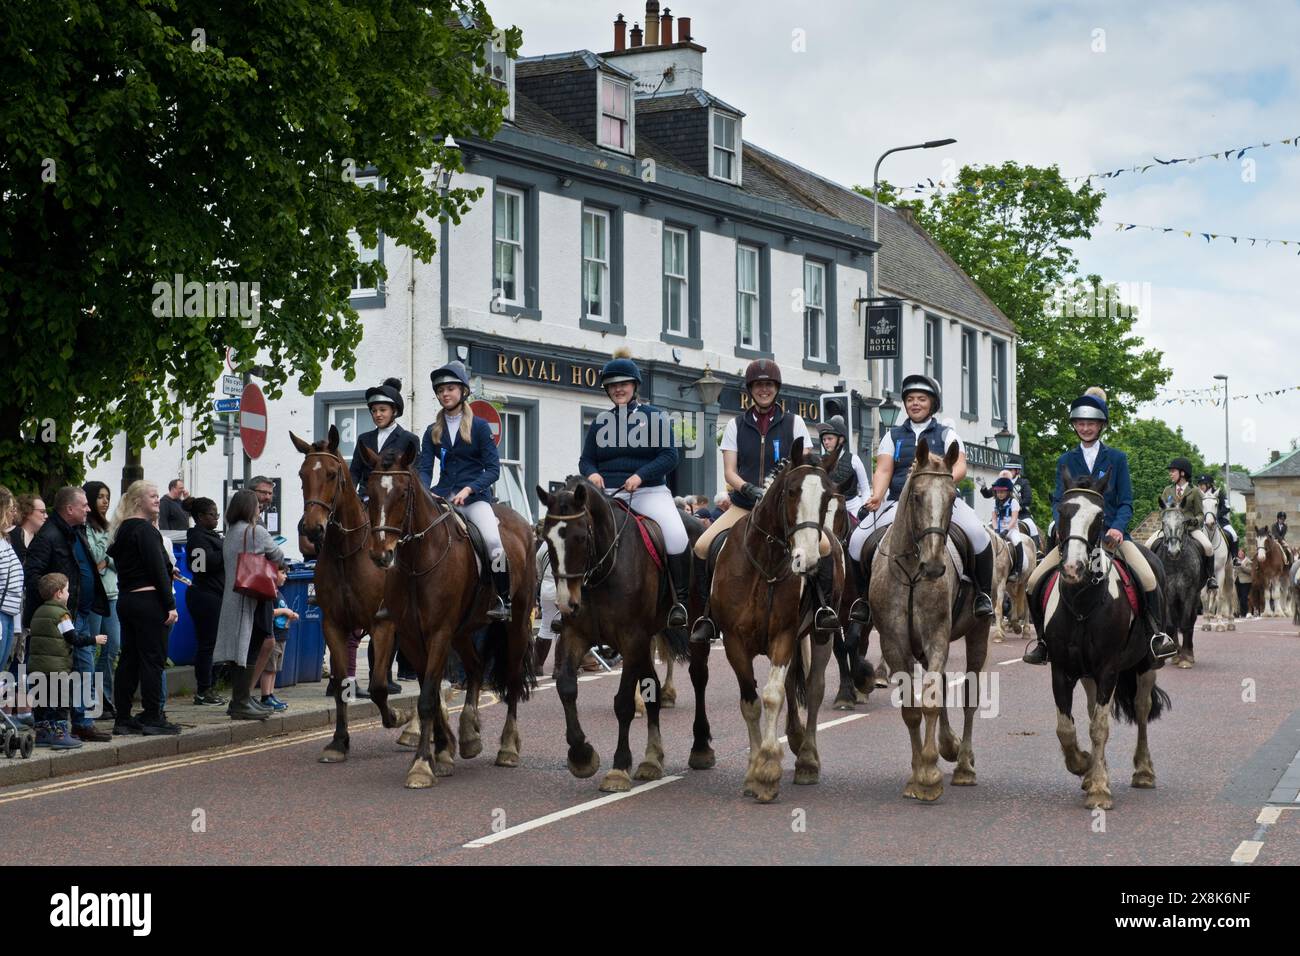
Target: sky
(1090,86)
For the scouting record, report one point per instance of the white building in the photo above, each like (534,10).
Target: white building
(612,216)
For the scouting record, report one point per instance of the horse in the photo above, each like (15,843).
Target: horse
(1293,576)
(1002,558)
(763,604)
(668,691)
(1270,574)
(1094,635)
(349,587)
(415,534)
(610,590)
(851,642)
(920,606)
(1219,604)
(1019,587)
(1180,557)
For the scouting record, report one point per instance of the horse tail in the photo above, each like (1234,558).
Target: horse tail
(1124,705)
(676,642)
(496,661)
(800,672)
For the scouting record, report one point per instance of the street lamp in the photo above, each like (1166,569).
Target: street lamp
(875,202)
(1227,475)
(708,387)
(1004,439)
(889,410)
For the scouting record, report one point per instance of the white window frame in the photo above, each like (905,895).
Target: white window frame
(677,284)
(997,364)
(737,152)
(500,59)
(628,118)
(601,265)
(969,361)
(931,353)
(754,295)
(815,314)
(518,196)
(365,254)
(361,416)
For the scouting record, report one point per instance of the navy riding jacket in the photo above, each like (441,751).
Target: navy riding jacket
(1119,492)
(473,464)
(619,446)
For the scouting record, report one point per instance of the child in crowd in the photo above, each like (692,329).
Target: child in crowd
(282,614)
(53,636)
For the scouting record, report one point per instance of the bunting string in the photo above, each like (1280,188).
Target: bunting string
(1199,234)
(1205,396)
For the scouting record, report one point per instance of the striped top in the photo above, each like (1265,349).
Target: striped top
(11,579)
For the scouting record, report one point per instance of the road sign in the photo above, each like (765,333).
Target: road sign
(227,404)
(231,385)
(489,414)
(230,358)
(252,420)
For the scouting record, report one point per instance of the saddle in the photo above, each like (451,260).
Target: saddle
(959,548)
(1127,580)
(469,529)
(651,537)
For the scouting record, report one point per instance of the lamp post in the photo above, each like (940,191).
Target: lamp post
(709,389)
(889,410)
(1227,473)
(1003,438)
(875,202)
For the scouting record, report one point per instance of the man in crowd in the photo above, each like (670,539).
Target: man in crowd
(173,516)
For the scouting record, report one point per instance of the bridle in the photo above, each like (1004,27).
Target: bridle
(940,530)
(331,507)
(591,569)
(1101,573)
(787,531)
(405,534)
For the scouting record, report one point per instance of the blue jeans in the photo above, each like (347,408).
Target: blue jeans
(83,662)
(6,640)
(107,659)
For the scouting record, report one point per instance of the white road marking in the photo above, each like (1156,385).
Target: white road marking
(558,815)
(1247,851)
(831,723)
(1269,815)
(1014,660)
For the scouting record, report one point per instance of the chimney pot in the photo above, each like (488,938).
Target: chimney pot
(652,23)
(666,27)
(636,35)
(620,33)
(683,29)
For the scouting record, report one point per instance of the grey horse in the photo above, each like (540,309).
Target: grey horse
(1184,577)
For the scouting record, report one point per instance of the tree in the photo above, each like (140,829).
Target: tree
(1151,445)
(221,144)
(1008,227)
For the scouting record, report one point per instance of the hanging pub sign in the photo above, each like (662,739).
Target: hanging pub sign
(884,316)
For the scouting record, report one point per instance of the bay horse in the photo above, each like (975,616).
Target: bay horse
(349,586)
(435,600)
(920,606)
(1270,574)
(1093,635)
(611,591)
(1180,557)
(1219,604)
(763,603)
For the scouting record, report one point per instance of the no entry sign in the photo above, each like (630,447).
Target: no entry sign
(489,414)
(252,420)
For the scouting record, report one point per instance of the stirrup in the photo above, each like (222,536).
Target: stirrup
(983,605)
(1160,637)
(1036,653)
(860,612)
(705,631)
(500,611)
(678,616)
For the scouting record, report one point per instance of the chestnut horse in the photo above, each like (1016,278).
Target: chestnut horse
(1270,574)
(349,587)
(434,598)
(609,591)
(763,604)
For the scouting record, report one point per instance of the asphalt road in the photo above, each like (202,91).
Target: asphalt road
(1219,755)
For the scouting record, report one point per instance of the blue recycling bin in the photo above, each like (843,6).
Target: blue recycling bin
(304,652)
(182,643)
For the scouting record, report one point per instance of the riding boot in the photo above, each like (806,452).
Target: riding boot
(241,705)
(705,631)
(1036,652)
(500,610)
(984,582)
(541,649)
(1162,645)
(1211,581)
(825,620)
(1017,561)
(679,569)
(861,609)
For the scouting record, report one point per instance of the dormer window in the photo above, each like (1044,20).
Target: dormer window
(724,148)
(615,121)
(500,69)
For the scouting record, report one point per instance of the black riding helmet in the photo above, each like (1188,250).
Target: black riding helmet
(1184,466)
(389,393)
(453,373)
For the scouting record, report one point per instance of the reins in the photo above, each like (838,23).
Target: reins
(782,542)
(590,569)
(331,508)
(407,537)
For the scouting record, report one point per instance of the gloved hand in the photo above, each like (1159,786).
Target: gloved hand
(752,490)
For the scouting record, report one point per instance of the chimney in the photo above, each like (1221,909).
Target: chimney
(1274,456)
(666,28)
(652,23)
(620,33)
(636,35)
(683,29)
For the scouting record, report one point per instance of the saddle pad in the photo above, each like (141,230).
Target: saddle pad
(646,537)
(1125,577)
(469,529)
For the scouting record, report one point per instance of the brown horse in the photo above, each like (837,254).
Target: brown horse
(609,591)
(434,598)
(920,606)
(763,603)
(349,586)
(1270,574)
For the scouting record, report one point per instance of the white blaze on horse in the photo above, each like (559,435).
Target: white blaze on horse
(1218,605)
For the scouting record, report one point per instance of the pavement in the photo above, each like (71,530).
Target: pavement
(1225,759)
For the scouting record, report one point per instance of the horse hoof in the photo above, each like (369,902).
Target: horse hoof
(963,778)
(860,696)
(923,793)
(1098,801)
(807,776)
(469,749)
(648,771)
(1232,627)
(767,795)
(668,698)
(881,682)
(507,758)
(701,760)
(842,704)
(330,755)
(587,767)
(443,766)
(616,781)
(997,639)
(1183,663)
(1144,780)
(408,740)
(420,776)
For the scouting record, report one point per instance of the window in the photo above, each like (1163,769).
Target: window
(747,297)
(969,374)
(511,485)
(814,310)
(500,70)
(725,148)
(999,381)
(508,248)
(615,128)
(363,288)
(595,263)
(351,419)
(676,270)
(933,349)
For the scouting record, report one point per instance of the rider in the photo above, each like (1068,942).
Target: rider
(1089,416)
(922,398)
(468,468)
(1278,530)
(1181,494)
(386,407)
(752,444)
(1023,494)
(849,477)
(1223,516)
(629,450)
(1006,521)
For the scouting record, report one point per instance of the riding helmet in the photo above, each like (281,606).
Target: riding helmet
(1004,483)
(923,383)
(390,393)
(452,373)
(1282,515)
(620,368)
(1205,480)
(1183,465)
(835,426)
(1091,405)
(1015,462)
(762,370)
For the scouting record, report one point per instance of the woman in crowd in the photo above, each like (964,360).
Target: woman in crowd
(245,633)
(11,578)
(31,515)
(99,497)
(146,609)
(205,551)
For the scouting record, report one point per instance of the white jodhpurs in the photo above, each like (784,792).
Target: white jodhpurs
(485,519)
(963,515)
(1029,523)
(1198,535)
(657,502)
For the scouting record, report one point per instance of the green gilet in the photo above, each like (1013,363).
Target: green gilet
(49,652)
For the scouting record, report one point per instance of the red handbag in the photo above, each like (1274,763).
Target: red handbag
(255,573)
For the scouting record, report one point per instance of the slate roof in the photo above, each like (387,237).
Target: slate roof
(1241,482)
(1288,466)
